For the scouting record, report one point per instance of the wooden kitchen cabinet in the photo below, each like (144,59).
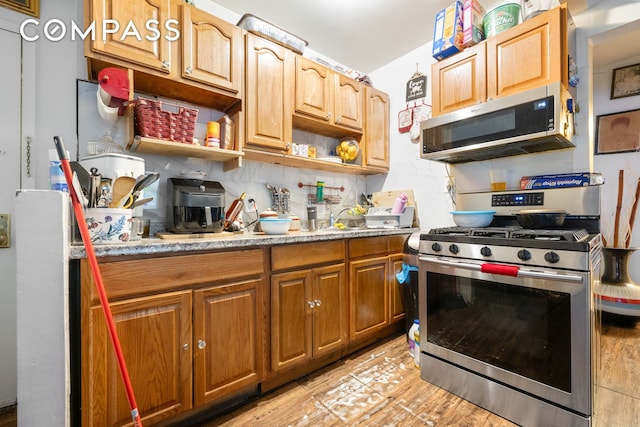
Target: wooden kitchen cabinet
(155,54)
(327,96)
(396,292)
(212,50)
(155,335)
(375,142)
(531,54)
(269,85)
(227,339)
(459,81)
(313,90)
(291,323)
(309,304)
(374,293)
(192,330)
(348,102)
(199,59)
(369,296)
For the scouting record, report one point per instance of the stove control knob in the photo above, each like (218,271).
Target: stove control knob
(551,257)
(524,255)
(485,251)
(454,249)
(436,247)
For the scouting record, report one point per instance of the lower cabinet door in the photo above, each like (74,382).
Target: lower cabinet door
(228,336)
(291,329)
(330,309)
(369,297)
(396,289)
(155,336)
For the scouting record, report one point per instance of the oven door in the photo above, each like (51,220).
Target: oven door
(528,329)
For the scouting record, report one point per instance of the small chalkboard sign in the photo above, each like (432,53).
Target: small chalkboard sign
(416,87)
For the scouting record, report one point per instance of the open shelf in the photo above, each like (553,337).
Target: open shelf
(307,162)
(170,148)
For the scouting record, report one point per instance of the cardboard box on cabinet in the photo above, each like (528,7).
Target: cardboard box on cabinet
(472,23)
(448,32)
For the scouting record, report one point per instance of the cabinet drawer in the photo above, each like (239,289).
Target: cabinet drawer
(396,244)
(368,246)
(306,254)
(122,278)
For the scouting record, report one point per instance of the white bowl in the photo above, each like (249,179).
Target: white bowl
(108,226)
(275,225)
(473,218)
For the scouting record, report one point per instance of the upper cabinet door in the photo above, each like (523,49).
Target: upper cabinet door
(151,49)
(348,102)
(376,135)
(269,75)
(211,50)
(459,81)
(313,94)
(527,56)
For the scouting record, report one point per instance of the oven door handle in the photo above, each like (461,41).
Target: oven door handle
(507,270)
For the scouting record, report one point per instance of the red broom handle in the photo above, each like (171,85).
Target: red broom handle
(97,278)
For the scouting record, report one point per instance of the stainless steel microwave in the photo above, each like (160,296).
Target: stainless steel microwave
(536,120)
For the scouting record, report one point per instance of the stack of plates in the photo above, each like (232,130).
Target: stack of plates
(332,159)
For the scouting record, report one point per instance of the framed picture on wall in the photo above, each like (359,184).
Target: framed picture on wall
(618,132)
(625,81)
(29,7)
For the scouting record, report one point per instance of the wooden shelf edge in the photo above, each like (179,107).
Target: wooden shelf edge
(310,124)
(307,163)
(170,148)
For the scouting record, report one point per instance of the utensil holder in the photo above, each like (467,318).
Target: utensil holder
(280,202)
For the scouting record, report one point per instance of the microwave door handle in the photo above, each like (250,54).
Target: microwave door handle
(507,270)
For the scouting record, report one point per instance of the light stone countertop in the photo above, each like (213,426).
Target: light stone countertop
(150,246)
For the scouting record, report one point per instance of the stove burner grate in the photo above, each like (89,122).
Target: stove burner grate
(557,235)
(514,232)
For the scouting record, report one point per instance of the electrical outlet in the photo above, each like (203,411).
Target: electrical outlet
(5,230)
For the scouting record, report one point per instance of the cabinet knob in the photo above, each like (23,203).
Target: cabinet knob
(338,119)
(185,347)
(166,64)
(328,115)
(318,302)
(202,344)
(287,146)
(311,304)
(188,70)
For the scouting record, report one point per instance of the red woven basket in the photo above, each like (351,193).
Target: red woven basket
(155,122)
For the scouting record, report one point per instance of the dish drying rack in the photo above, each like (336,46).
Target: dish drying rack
(331,194)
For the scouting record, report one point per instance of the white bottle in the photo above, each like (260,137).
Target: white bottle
(416,349)
(410,336)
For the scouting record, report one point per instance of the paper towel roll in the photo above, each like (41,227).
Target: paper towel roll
(109,114)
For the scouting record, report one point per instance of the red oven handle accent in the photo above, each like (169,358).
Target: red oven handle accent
(505,270)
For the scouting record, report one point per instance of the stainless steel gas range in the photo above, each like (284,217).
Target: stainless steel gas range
(507,315)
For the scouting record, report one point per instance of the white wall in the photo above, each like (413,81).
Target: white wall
(407,170)
(609,164)
(48,108)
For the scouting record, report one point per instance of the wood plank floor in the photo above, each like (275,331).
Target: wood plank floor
(617,391)
(379,386)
